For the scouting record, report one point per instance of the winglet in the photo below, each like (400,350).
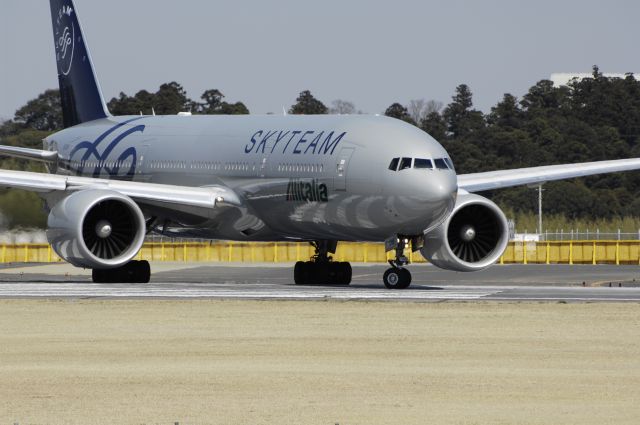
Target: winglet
(80,93)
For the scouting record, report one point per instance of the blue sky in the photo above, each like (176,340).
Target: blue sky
(372,53)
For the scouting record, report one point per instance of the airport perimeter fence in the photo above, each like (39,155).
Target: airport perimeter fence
(587,235)
(517,252)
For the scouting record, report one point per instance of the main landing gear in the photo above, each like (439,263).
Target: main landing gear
(397,277)
(132,272)
(322,269)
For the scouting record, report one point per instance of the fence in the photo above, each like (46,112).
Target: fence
(585,235)
(547,252)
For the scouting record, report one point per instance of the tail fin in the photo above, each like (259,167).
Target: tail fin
(79,89)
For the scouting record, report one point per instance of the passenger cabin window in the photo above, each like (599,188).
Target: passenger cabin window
(441,164)
(405,163)
(423,163)
(394,164)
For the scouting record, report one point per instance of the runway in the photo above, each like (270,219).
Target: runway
(268,281)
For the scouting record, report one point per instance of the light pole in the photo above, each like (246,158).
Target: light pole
(540,209)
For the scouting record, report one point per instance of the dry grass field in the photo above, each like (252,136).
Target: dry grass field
(258,362)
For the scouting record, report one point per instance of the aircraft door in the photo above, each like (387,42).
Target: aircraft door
(142,172)
(341,168)
(262,172)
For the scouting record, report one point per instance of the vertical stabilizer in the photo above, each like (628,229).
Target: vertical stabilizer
(79,89)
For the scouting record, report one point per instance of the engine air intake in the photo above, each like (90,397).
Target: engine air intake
(472,238)
(473,233)
(96,229)
(109,229)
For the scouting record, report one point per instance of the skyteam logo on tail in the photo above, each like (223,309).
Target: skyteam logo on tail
(100,161)
(65,34)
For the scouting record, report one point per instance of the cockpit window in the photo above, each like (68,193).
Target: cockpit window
(449,163)
(405,163)
(394,164)
(423,163)
(441,164)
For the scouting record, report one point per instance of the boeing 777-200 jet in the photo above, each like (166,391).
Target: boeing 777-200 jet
(319,179)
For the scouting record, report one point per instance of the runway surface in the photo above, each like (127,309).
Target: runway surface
(269,281)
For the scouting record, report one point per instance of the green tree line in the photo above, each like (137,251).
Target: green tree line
(591,119)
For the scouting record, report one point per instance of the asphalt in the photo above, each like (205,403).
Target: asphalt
(550,283)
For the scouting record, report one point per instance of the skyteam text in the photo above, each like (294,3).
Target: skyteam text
(294,141)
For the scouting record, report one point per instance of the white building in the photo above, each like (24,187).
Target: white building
(563,78)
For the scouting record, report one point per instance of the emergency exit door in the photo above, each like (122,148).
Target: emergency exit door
(342,168)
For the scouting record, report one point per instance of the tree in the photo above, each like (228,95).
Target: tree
(460,118)
(398,111)
(506,113)
(43,113)
(434,124)
(432,106)
(307,105)
(142,102)
(213,104)
(237,108)
(544,96)
(417,109)
(170,99)
(342,107)
(21,209)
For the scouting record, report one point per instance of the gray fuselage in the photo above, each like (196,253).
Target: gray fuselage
(299,177)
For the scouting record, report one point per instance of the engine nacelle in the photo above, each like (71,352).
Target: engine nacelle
(472,238)
(96,228)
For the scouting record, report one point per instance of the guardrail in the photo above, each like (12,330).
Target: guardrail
(550,252)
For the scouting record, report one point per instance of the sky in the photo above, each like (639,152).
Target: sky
(372,53)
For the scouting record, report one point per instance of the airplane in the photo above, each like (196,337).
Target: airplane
(319,179)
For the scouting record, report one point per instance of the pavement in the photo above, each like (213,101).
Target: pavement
(549,283)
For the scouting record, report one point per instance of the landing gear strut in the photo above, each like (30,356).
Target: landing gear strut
(322,269)
(132,272)
(397,277)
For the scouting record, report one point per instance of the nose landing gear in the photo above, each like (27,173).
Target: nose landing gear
(397,277)
(322,269)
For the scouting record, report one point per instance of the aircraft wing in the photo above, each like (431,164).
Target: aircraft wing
(31,154)
(204,197)
(478,182)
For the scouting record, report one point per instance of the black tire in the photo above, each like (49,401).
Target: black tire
(346,273)
(321,273)
(142,271)
(132,272)
(99,276)
(300,273)
(392,278)
(405,280)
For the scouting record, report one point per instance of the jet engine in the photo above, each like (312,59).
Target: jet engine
(472,238)
(96,228)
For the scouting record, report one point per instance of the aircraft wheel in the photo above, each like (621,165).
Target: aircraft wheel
(346,270)
(132,272)
(300,273)
(142,272)
(396,278)
(99,276)
(406,278)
